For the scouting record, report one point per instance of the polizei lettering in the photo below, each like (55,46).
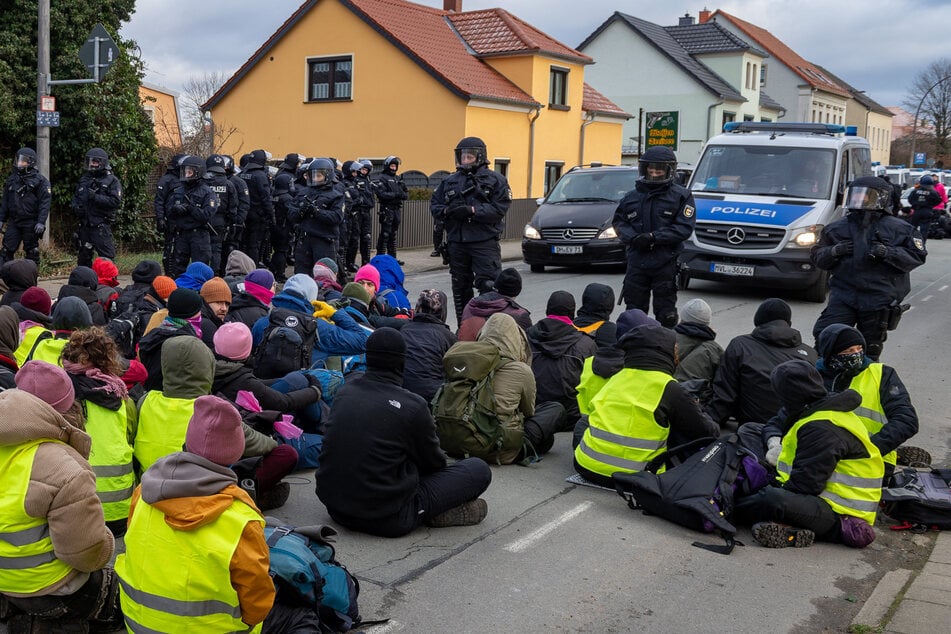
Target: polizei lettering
(744,211)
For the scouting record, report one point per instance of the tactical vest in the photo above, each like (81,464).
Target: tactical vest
(163,421)
(111,458)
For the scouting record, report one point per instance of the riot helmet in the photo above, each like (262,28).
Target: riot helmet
(25,160)
(97,161)
(366,164)
(320,173)
(192,169)
(657,166)
(258,157)
(244,160)
(868,193)
(471,154)
(348,169)
(291,162)
(229,163)
(215,164)
(391,164)
(175,163)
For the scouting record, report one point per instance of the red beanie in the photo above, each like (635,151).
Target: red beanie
(36,298)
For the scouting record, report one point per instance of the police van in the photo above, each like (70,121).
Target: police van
(763,192)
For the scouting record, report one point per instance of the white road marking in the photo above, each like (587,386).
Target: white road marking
(526,542)
(926,298)
(383,628)
(943,288)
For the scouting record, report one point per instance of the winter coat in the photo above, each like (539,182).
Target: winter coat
(427,339)
(489,198)
(667,213)
(480,308)
(559,351)
(594,315)
(234,376)
(150,351)
(18,275)
(83,283)
(247,309)
(697,351)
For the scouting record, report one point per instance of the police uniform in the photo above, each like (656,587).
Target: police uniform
(96,202)
(25,208)
(163,189)
(361,204)
(226,215)
(233,239)
(283,192)
(391,192)
(317,212)
(260,208)
(191,207)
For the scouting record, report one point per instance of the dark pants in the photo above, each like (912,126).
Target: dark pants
(389,225)
(774,504)
(438,492)
(21,232)
(640,283)
(310,249)
(872,324)
(439,232)
(256,233)
(280,244)
(191,245)
(95,604)
(540,429)
(472,264)
(216,243)
(98,239)
(360,228)
(281,461)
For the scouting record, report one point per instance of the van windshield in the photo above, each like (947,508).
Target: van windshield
(777,171)
(589,186)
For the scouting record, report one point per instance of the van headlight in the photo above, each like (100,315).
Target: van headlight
(607,234)
(807,237)
(531,233)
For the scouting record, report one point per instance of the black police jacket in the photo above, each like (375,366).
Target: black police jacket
(261,207)
(97,198)
(163,190)
(26,198)
(486,196)
(191,206)
(859,280)
(244,198)
(283,191)
(226,213)
(318,211)
(390,190)
(667,213)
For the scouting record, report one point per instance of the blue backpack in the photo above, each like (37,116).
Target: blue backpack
(303,566)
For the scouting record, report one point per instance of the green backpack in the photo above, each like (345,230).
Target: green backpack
(464,407)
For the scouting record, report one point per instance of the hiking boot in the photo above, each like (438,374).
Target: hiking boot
(468,514)
(274,498)
(775,535)
(909,456)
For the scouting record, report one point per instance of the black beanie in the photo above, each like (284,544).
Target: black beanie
(797,383)
(835,338)
(847,338)
(183,303)
(561,303)
(146,271)
(83,276)
(509,283)
(386,349)
(771,310)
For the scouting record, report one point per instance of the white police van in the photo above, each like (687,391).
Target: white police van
(763,192)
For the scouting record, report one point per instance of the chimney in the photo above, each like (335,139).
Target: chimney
(452,5)
(705,16)
(686,20)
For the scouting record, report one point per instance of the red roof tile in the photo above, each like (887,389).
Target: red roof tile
(812,74)
(493,32)
(595,102)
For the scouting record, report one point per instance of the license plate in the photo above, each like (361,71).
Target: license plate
(573,250)
(732,269)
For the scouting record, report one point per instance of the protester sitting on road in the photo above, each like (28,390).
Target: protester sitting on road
(216,300)
(236,268)
(698,352)
(594,315)
(327,281)
(381,469)
(501,299)
(391,291)
(34,306)
(640,411)
(829,473)
(741,387)
(427,339)
(378,312)
(83,283)
(17,276)
(195,276)
(69,314)
(9,340)
(182,318)
(107,274)
(254,301)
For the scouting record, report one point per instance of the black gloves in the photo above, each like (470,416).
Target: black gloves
(877,250)
(307,209)
(459,210)
(843,248)
(177,211)
(160,226)
(643,241)
(39,229)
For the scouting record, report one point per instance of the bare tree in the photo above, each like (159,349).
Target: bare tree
(930,96)
(202,136)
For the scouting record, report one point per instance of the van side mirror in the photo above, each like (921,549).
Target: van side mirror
(539,201)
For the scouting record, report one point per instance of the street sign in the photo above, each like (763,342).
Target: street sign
(48,103)
(47,119)
(662,129)
(919,158)
(98,52)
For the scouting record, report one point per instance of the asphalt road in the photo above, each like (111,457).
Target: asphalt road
(555,557)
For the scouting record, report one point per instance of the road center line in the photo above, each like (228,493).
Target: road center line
(926,298)
(384,628)
(526,542)
(943,288)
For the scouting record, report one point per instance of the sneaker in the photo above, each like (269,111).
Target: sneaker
(435,254)
(909,456)
(775,535)
(468,514)
(274,498)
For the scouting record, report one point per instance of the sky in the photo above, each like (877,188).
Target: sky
(876,45)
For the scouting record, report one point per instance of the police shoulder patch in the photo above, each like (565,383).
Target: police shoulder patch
(688,211)
(508,193)
(919,244)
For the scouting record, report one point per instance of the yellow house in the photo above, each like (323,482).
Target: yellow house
(161,105)
(371,78)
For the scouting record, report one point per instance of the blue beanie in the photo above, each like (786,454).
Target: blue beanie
(303,285)
(195,276)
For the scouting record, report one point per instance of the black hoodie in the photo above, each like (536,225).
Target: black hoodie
(597,304)
(18,275)
(558,354)
(83,283)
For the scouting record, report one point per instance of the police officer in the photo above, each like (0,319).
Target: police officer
(653,220)
(472,203)
(361,204)
(318,212)
(235,233)
(923,201)
(96,201)
(226,214)
(261,207)
(24,208)
(191,207)
(283,191)
(869,255)
(391,191)
(163,190)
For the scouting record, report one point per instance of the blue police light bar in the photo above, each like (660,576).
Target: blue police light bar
(852,130)
(768,126)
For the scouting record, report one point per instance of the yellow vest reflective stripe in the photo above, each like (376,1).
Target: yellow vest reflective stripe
(111,458)
(180,581)
(855,487)
(27,561)
(163,421)
(868,383)
(30,339)
(588,386)
(622,434)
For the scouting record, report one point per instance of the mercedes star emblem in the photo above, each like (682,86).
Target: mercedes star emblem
(735,235)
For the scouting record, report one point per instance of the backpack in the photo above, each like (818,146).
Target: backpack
(698,491)
(305,570)
(128,298)
(286,345)
(464,406)
(919,498)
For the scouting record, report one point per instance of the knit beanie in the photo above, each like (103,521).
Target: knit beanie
(303,286)
(386,349)
(233,341)
(322,274)
(835,338)
(261,277)
(432,302)
(36,298)
(561,303)
(163,286)
(146,271)
(106,271)
(631,319)
(509,283)
(215,432)
(847,338)
(330,263)
(216,290)
(772,309)
(368,272)
(357,292)
(797,383)
(194,276)
(71,313)
(48,382)
(696,311)
(83,276)
(184,303)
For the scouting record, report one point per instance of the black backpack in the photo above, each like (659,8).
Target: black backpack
(286,345)
(698,486)
(919,498)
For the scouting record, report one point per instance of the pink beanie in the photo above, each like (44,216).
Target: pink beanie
(47,382)
(215,432)
(368,272)
(233,341)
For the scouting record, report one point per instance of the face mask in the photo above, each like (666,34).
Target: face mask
(847,363)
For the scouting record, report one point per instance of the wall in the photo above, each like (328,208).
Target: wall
(164,114)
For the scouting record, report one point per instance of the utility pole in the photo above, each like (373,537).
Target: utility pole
(42,77)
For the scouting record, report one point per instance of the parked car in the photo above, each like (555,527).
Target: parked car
(572,225)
